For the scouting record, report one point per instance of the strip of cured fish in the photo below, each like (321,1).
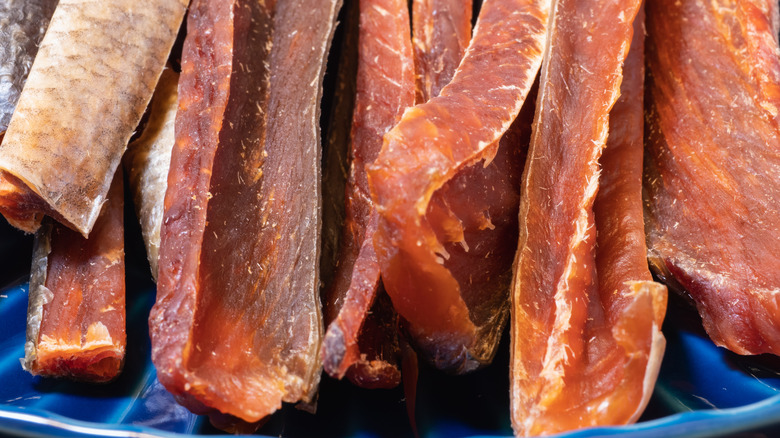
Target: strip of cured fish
(586,316)
(442,275)
(90,83)
(237,327)
(148,160)
(385,88)
(713,164)
(76,311)
(24,23)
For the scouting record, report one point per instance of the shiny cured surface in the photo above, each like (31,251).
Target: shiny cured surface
(442,31)
(91,81)
(76,311)
(22,26)
(434,142)
(713,164)
(385,88)
(237,324)
(586,340)
(148,160)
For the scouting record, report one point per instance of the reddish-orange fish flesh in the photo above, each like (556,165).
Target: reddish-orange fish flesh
(237,325)
(441,33)
(432,144)
(586,317)
(385,88)
(76,312)
(712,171)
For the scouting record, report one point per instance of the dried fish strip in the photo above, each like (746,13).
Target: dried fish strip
(23,22)
(711,171)
(442,31)
(240,235)
(385,88)
(90,83)
(76,312)
(586,319)
(432,143)
(148,160)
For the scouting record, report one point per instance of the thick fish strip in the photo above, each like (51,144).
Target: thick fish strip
(24,23)
(712,170)
(148,160)
(586,340)
(442,31)
(90,83)
(240,234)
(432,144)
(385,88)
(76,312)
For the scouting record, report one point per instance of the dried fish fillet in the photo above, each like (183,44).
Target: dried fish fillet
(240,234)
(586,317)
(147,161)
(76,312)
(23,23)
(89,85)
(385,88)
(712,170)
(451,318)
(442,31)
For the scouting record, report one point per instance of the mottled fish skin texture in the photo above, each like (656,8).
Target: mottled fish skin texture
(89,85)
(585,337)
(385,88)
(432,143)
(148,160)
(76,312)
(712,168)
(22,26)
(240,234)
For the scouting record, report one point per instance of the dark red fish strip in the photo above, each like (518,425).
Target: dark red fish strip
(712,171)
(240,237)
(76,315)
(442,31)
(385,88)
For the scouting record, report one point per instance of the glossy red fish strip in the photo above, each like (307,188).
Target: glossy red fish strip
(240,235)
(432,144)
(712,178)
(76,314)
(442,31)
(586,339)
(385,88)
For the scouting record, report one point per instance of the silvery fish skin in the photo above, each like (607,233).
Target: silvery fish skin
(90,83)
(22,26)
(147,161)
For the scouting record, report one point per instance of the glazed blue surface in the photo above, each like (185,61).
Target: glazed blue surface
(702,390)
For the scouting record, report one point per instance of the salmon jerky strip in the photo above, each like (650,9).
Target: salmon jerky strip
(441,33)
(429,146)
(89,85)
(385,88)
(148,160)
(240,234)
(585,340)
(24,23)
(76,311)
(712,170)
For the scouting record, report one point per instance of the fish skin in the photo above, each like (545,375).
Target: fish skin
(70,128)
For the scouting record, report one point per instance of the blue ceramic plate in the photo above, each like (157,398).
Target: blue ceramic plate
(702,390)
